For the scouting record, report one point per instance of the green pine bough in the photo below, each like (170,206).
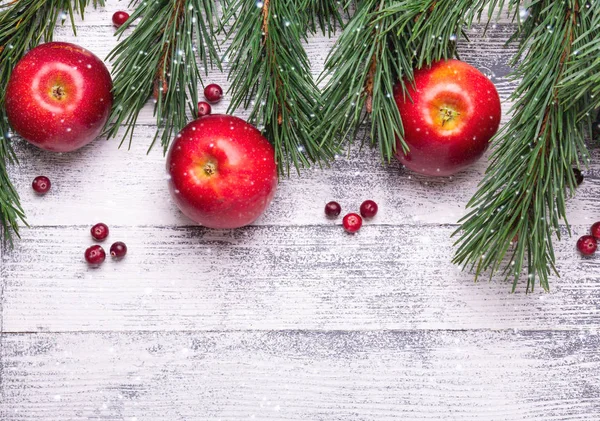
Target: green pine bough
(367,61)
(270,75)
(380,46)
(23,25)
(521,202)
(160,59)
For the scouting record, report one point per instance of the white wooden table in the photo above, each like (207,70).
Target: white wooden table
(290,319)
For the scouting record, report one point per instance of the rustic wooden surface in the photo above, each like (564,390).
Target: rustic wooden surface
(290,319)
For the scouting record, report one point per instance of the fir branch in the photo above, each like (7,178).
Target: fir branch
(23,25)
(433,27)
(159,58)
(363,68)
(382,44)
(530,177)
(325,15)
(270,73)
(583,74)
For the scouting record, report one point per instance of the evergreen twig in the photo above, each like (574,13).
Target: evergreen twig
(521,201)
(325,15)
(159,58)
(365,64)
(380,46)
(582,77)
(23,25)
(270,73)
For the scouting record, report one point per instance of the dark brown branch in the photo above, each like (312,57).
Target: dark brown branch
(161,79)
(369,83)
(270,56)
(265,24)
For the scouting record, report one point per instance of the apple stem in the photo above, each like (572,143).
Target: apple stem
(58,92)
(210,168)
(448,114)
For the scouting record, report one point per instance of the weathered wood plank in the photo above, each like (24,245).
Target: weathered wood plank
(129,188)
(2,283)
(306,277)
(449,375)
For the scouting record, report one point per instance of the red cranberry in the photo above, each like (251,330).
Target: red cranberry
(352,222)
(99,231)
(333,209)
(204,108)
(119,18)
(213,92)
(41,184)
(95,255)
(587,245)
(368,209)
(118,250)
(596,230)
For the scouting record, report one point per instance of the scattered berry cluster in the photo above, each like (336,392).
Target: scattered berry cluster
(95,254)
(588,244)
(352,221)
(213,94)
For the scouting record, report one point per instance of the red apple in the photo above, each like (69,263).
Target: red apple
(222,171)
(454,112)
(59,97)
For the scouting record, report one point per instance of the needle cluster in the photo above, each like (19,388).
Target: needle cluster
(374,59)
(270,75)
(521,203)
(172,44)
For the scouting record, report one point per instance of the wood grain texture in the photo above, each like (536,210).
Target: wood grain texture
(132,189)
(344,376)
(306,277)
(290,319)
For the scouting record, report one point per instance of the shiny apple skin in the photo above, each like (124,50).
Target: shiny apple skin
(222,172)
(59,97)
(443,148)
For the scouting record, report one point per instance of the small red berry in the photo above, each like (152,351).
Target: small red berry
(213,93)
(95,255)
(352,222)
(119,18)
(333,209)
(368,209)
(204,108)
(99,231)
(587,245)
(118,250)
(41,184)
(596,230)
